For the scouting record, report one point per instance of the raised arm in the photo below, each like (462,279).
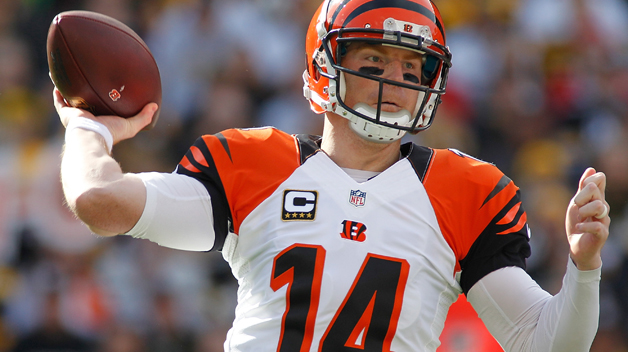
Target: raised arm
(108,201)
(524,317)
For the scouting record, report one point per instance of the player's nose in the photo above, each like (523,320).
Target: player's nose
(394,71)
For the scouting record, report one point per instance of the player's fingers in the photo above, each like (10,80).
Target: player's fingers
(144,117)
(588,193)
(58,100)
(597,209)
(60,105)
(596,228)
(587,173)
(598,178)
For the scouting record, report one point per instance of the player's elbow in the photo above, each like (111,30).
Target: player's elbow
(104,212)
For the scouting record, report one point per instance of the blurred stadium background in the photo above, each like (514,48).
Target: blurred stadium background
(538,87)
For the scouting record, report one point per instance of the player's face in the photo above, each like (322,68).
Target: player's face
(387,62)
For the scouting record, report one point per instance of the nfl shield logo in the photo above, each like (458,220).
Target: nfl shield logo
(357,198)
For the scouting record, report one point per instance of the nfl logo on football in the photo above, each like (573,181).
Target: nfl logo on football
(357,198)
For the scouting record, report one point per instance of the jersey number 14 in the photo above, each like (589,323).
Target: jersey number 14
(367,318)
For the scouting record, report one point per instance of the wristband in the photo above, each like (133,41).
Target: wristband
(90,125)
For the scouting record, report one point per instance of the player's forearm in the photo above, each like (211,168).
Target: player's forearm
(86,164)
(95,188)
(569,320)
(524,317)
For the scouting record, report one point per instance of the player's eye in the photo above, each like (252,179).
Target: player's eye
(376,59)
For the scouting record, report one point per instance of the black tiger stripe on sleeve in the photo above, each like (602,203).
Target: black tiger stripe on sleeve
(225,144)
(503,182)
(234,167)
(504,242)
(479,212)
(199,164)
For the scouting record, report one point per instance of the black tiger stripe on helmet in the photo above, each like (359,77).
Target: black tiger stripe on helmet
(376,4)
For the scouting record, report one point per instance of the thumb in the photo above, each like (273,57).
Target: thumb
(144,117)
(125,128)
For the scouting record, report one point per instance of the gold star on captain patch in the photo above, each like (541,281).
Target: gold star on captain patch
(287,215)
(301,215)
(309,215)
(294,215)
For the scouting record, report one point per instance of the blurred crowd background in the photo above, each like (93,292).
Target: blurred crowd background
(538,87)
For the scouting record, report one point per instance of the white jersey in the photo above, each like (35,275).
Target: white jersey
(328,264)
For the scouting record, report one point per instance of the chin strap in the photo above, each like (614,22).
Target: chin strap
(374,132)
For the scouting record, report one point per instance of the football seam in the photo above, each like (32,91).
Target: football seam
(141,42)
(81,72)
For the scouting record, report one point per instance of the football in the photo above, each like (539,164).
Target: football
(100,64)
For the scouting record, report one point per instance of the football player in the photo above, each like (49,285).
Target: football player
(351,241)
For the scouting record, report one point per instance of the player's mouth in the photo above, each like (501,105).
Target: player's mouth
(388,106)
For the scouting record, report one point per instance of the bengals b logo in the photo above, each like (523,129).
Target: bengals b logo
(115,95)
(353,230)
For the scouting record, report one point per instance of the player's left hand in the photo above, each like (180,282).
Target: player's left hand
(587,221)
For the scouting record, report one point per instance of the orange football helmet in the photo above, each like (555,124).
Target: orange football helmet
(408,24)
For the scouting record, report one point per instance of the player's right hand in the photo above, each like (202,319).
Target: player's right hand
(120,128)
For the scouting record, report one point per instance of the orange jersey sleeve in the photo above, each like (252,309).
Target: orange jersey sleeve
(479,212)
(241,168)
